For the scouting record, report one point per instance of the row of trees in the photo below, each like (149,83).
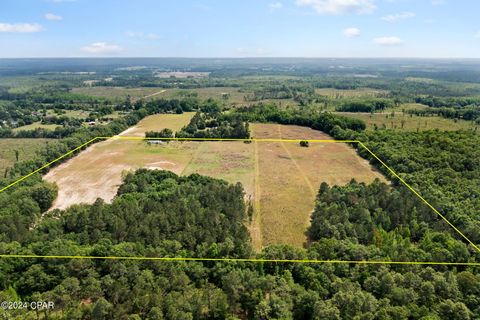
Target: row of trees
(214,125)
(319,121)
(465,113)
(365,105)
(453,102)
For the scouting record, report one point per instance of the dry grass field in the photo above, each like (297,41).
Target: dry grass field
(280,178)
(290,176)
(406,122)
(26,150)
(97,172)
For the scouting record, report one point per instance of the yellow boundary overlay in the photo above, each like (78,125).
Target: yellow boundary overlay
(311,261)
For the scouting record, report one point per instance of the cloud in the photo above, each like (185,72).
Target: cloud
(51,16)
(20,27)
(398,16)
(102,48)
(275,6)
(337,7)
(351,32)
(388,41)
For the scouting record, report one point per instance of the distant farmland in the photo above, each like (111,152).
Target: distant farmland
(120,93)
(280,179)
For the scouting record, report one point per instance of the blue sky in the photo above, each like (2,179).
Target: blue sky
(240,28)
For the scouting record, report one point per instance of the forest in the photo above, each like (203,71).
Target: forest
(157,213)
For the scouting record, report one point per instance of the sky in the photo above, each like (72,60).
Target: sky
(240,28)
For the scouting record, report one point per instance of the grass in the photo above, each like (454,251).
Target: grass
(77,114)
(36,125)
(235,96)
(409,106)
(280,179)
(351,93)
(290,176)
(411,123)
(26,148)
(118,93)
(160,121)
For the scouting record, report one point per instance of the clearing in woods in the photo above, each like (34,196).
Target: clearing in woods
(26,150)
(280,178)
(401,121)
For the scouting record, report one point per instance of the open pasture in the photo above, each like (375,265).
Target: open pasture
(26,149)
(406,122)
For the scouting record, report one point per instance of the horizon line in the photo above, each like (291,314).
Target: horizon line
(239,58)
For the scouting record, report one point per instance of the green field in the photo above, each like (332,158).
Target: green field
(234,95)
(26,150)
(36,125)
(406,122)
(351,93)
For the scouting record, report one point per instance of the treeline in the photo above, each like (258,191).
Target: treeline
(57,133)
(365,105)
(453,102)
(465,113)
(280,91)
(165,133)
(319,121)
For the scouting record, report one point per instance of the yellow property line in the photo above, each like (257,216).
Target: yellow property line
(312,261)
(250,260)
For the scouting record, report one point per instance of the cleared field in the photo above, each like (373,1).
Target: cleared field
(406,122)
(280,179)
(119,93)
(158,122)
(78,114)
(290,176)
(26,150)
(97,172)
(217,93)
(37,125)
(351,93)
